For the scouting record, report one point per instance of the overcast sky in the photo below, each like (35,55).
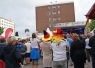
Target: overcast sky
(22,12)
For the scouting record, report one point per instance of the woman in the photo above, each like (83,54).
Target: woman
(77,52)
(35,53)
(27,55)
(47,54)
(47,51)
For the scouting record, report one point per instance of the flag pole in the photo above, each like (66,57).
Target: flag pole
(87,25)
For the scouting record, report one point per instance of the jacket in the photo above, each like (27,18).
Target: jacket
(11,56)
(92,45)
(77,51)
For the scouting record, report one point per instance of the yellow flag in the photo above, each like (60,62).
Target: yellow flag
(87,27)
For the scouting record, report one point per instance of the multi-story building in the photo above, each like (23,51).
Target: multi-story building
(4,23)
(51,15)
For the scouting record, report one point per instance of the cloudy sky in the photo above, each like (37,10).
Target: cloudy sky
(22,12)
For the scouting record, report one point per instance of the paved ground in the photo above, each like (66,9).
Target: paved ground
(87,65)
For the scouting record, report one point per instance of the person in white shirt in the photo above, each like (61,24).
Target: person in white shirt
(27,55)
(35,53)
(28,45)
(59,54)
(88,48)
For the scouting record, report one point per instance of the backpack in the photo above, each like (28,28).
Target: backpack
(21,48)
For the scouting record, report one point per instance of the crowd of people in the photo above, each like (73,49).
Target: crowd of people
(55,52)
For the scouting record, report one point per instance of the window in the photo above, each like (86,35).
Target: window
(49,13)
(58,6)
(48,7)
(58,11)
(53,7)
(53,13)
(59,18)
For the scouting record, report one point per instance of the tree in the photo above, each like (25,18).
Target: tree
(92,25)
(1,30)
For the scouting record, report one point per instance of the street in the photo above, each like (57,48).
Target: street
(87,65)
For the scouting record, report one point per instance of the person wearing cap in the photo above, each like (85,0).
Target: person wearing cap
(46,50)
(11,55)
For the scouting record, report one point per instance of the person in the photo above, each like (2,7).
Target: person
(59,46)
(2,45)
(77,52)
(59,54)
(46,50)
(2,41)
(28,46)
(82,37)
(11,55)
(69,39)
(22,50)
(92,45)
(88,48)
(35,53)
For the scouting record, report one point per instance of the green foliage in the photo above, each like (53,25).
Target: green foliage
(1,30)
(92,25)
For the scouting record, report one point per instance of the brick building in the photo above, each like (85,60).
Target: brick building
(50,15)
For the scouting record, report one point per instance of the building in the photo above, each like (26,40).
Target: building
(7,24)
(51,15)
(72,27)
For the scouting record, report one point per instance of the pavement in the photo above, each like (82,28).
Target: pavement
(87,65)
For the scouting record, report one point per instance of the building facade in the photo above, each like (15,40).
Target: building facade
(4,23)
(51,15)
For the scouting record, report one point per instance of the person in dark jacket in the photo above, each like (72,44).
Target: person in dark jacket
(77,52)
(2,45)
(22,50)
(92,45)
(11,55)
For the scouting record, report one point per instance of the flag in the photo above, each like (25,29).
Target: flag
(87,26)
(92,25)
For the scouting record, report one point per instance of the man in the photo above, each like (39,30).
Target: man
(92,45)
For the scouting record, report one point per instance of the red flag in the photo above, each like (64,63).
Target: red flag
(8,33)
